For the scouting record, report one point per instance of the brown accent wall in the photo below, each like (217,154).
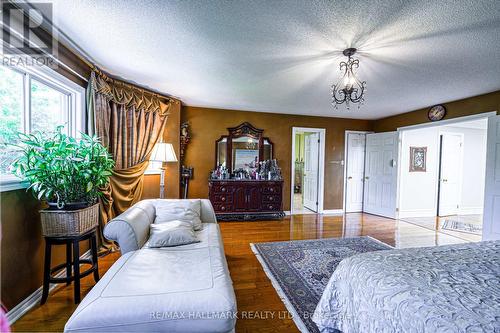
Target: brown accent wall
(207,125)
(22,247)
(464,107)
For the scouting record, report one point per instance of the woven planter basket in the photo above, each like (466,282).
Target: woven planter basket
(59,223)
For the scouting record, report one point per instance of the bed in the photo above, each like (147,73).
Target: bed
(454,288)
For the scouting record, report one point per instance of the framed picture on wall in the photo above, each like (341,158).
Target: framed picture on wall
(418,159)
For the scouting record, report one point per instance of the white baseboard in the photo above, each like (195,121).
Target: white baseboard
(333,212)
(470,210)
(20,309)
(325,212)
(304,212)
(432,212)
(417,213)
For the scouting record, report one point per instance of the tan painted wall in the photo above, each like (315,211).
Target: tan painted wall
(207,125)
(464,107)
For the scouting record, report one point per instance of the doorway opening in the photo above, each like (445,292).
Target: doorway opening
(442,177)
(308,151)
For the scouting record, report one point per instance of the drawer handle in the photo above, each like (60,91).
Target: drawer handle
(223,189)
(270,207)
(271,189)
(223,199)
(223,207)
(270,198)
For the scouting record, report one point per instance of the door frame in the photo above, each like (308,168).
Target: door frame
(429,125)
(321,165)
(346,154)
(460,173)
(449,121)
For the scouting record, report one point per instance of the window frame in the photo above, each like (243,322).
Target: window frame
(75,114)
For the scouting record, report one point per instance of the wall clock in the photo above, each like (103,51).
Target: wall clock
(437,112)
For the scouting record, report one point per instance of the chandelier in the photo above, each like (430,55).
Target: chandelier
(349,89)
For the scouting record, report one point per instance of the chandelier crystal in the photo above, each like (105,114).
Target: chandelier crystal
(349,89)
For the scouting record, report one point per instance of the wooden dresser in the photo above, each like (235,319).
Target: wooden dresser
(247,199)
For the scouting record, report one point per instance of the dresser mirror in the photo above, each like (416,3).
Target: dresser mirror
(242,148)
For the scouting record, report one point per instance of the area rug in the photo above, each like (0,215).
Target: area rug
(300,270)
(470,228)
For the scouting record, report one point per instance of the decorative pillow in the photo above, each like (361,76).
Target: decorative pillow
(185,210)
(173,233)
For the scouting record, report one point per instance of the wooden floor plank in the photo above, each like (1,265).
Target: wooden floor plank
(254,292)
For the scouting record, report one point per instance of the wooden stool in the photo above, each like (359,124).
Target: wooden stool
(70,241)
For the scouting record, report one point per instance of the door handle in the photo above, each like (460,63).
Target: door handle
(349,177)
(367,177)
(445,180)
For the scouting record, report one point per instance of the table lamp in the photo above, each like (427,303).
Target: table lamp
(163,152)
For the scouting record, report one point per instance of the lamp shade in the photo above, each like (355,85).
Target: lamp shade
(163,152)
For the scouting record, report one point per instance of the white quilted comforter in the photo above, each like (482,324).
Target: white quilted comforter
(453,288)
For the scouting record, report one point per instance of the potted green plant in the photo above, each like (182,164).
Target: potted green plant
(68,174)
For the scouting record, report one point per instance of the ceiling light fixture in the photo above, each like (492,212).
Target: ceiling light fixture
(349,89)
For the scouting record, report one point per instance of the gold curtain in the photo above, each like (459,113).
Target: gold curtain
(129,123)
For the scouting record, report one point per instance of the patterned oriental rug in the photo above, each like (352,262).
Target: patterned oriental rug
(300,270)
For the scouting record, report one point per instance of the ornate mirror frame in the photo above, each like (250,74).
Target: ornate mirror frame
(243,130)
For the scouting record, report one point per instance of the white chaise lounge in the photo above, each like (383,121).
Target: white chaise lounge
(177,289)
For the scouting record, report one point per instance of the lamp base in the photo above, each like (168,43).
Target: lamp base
(162,184)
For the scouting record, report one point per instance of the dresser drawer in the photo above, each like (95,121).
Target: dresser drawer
(221,198)
(271,198)
(222,207)
(271,189)
(221,189)
(269,207)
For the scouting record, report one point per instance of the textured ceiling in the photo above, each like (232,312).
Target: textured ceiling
(282,56)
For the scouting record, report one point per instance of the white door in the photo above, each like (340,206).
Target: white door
(311,157)
(491,215)
(450,174)
(355,172)
(381,174)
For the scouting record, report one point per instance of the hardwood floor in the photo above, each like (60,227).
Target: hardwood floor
(436,223)
(255,294)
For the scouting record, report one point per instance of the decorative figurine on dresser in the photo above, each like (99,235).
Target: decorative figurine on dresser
(246,183)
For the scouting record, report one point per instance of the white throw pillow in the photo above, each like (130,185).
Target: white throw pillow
(171,234)
(185,210)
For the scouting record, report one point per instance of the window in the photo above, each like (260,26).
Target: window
(11,108)
(34,99)
(49,107)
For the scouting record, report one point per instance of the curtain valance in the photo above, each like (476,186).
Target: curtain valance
(122,93)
